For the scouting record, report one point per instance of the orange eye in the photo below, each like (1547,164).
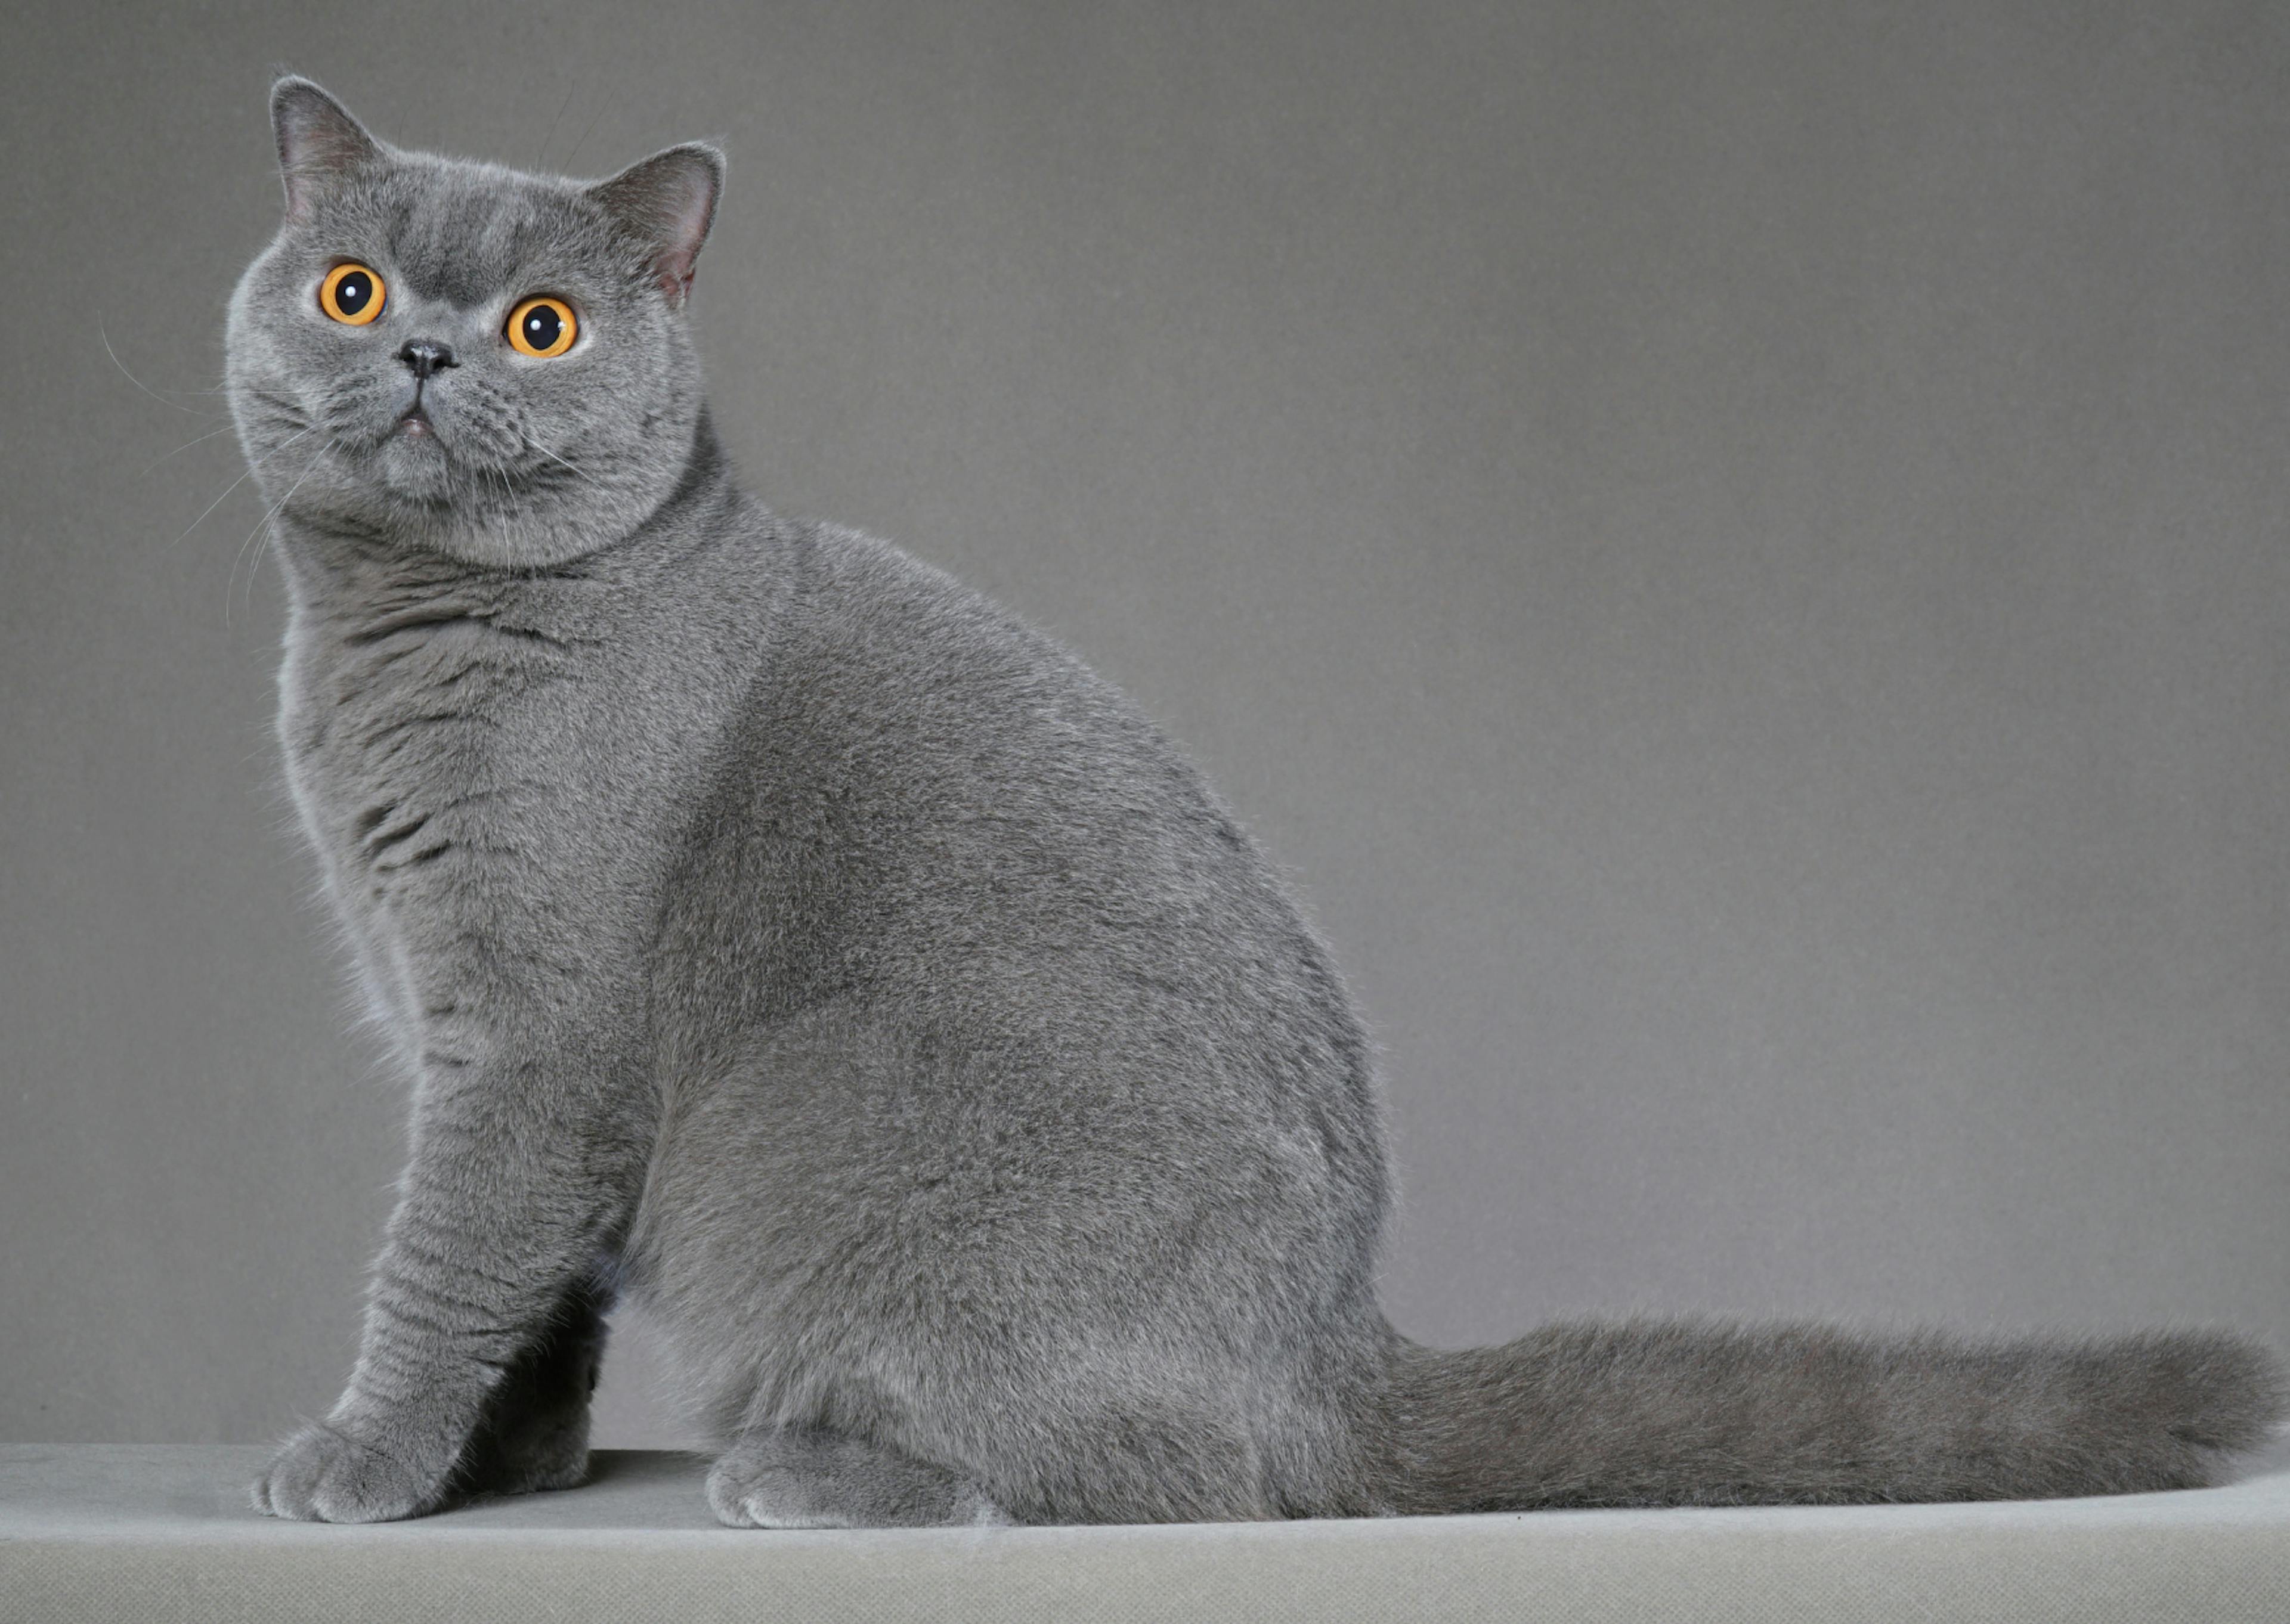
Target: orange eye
(542,327)
(351,294)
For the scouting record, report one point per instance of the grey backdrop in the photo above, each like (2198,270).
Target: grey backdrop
(1738,551)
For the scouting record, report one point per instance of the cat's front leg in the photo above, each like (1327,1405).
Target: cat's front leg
(519,1173)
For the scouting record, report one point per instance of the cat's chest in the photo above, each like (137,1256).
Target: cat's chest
(442,761)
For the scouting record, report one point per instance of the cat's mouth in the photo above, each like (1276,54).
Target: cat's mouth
(413,424)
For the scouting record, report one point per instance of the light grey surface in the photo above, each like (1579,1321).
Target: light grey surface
(134,1533)
(1738,552)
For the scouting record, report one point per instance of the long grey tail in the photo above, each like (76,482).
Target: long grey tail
(1693,1413)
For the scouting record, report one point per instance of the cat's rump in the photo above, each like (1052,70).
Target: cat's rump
(1690,1413)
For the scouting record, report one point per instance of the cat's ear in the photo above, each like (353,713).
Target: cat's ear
(667,202)
(319,143)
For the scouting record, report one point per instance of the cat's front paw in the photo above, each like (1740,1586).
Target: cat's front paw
(324,1473)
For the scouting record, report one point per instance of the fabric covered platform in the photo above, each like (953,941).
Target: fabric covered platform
(146,1533)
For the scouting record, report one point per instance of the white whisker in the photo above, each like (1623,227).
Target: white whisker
(187,445)
(307,470)
(139,383)
(242,479)
(515,507)
(574,468)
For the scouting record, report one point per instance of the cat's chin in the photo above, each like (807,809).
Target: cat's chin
(411,464)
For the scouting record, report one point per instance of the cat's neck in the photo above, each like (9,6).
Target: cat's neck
(352,568)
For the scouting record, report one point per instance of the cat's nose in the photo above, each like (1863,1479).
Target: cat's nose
(424,356)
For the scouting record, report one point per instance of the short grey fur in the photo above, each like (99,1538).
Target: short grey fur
(780,933)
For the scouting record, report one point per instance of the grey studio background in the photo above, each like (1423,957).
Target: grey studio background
(1738,551)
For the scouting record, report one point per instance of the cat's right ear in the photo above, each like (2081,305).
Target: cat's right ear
(319,143)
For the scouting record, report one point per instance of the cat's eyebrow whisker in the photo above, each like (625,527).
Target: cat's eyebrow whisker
(587,130)
(543,155)
(140,384)
(253,464)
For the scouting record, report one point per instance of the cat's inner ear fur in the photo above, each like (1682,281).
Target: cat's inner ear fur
(319,143)
(667,202)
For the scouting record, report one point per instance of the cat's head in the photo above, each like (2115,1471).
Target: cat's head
(462,358)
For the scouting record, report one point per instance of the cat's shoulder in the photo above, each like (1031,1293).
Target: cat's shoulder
(874,630)
(848,570)
(862,589)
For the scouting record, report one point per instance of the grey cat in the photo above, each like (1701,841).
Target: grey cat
(778,932)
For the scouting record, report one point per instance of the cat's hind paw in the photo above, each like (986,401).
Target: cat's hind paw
(528,1458)
(818,1480)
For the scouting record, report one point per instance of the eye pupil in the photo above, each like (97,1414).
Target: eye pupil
(352,292)
(542,327)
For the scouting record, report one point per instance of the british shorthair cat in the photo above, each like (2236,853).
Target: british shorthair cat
(779,933)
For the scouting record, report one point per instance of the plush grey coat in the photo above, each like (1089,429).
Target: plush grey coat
(780,933)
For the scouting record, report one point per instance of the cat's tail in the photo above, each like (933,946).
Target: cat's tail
(1680,1413)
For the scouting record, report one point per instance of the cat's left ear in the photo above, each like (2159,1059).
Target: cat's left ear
(667,202)
(319,143)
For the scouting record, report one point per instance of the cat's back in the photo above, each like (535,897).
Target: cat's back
(927,807)
(974,997)
(879,648)
(919,756)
